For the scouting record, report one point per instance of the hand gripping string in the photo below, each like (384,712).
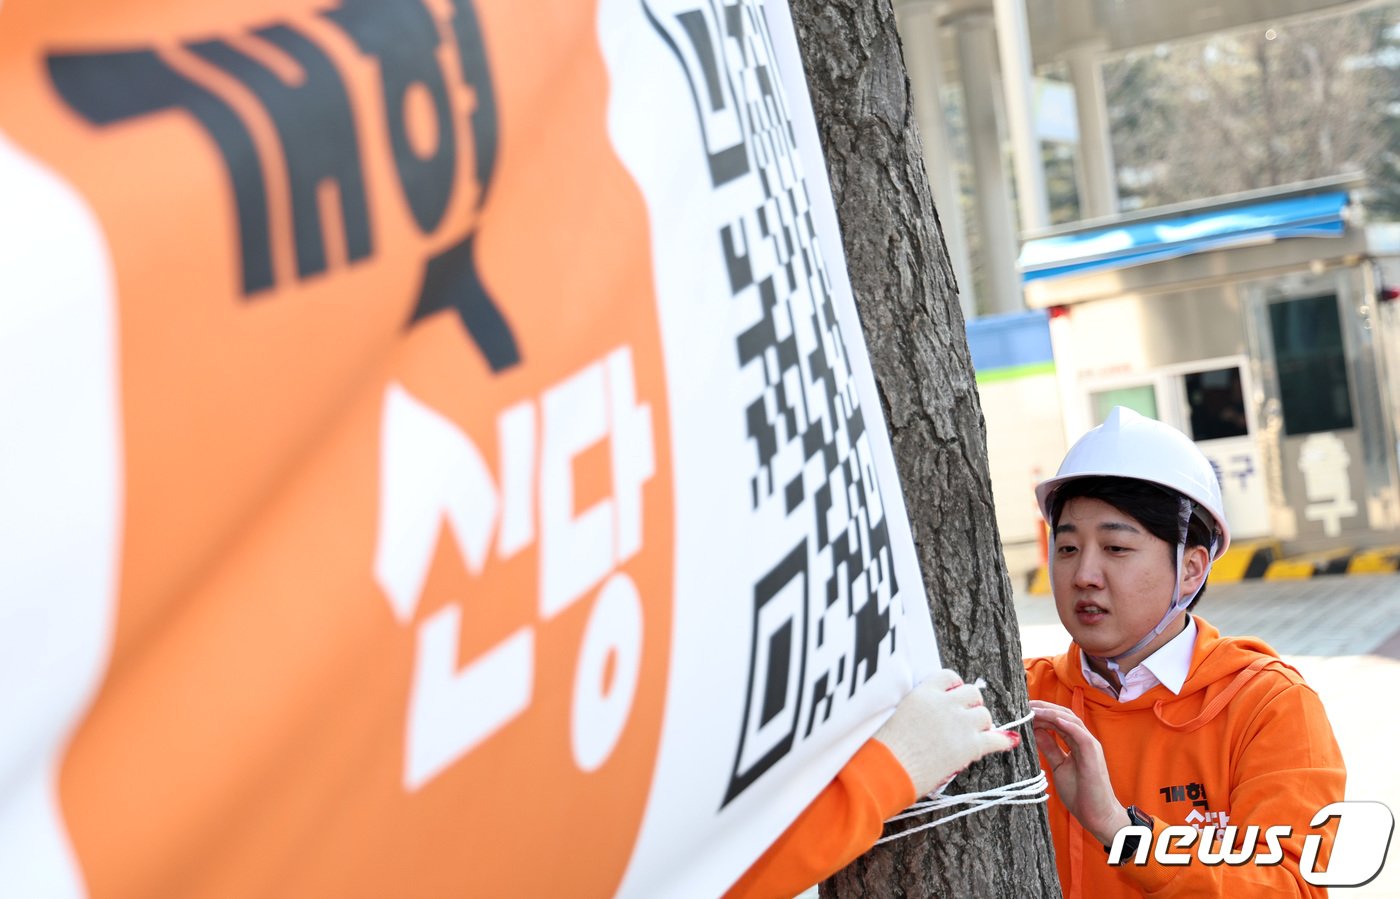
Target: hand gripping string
(1030,791)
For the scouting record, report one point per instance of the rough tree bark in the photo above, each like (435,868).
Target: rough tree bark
(907,298)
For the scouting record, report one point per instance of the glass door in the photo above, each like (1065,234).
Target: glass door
(1216,416)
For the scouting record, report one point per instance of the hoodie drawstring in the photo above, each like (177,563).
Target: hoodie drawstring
(1216,705)
(1076,830)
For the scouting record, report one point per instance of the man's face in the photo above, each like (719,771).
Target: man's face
(1112,579)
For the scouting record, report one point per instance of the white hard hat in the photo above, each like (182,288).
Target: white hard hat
(1129,445)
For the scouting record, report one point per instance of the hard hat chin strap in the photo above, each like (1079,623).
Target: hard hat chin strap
(1178,602)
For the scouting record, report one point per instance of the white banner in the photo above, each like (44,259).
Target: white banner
(756,308)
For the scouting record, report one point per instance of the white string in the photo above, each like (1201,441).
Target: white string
(1024,792)
(1030,791)
(1018,790)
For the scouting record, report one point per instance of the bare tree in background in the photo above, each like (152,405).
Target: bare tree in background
(1256,109)
(908,305)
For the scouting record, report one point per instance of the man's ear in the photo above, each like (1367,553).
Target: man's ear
(1195,562)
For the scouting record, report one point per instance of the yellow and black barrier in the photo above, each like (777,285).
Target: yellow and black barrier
(1245,559)
(1376,560)
(1329,561)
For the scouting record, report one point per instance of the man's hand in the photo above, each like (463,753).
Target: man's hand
(941,728)
(1081,775)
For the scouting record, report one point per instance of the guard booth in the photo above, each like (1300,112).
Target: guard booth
(1252,324)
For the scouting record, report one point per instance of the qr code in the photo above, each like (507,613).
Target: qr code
(822,614)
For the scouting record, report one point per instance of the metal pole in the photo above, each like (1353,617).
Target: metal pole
(919,28)
(976,43)
(1098,188)
(1017,68)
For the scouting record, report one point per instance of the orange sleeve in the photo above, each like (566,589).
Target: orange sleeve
(842,822)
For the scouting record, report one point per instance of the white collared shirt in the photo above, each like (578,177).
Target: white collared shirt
(1168,666)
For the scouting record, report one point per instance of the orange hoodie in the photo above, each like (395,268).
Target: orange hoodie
(1245,742)
(843,821)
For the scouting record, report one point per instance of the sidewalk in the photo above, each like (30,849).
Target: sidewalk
(1342,633)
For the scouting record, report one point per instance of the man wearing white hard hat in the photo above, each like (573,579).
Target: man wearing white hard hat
(1151,717)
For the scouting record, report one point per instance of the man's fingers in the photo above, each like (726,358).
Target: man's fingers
(1046,718)
(1050,710)
(1084,749)
(1062,720)
(1049,747)
(1051,724)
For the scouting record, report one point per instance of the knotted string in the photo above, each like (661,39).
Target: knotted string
(1030,791)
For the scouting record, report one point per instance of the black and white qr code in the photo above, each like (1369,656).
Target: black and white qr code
(822,611)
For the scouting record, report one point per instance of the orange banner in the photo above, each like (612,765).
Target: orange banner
(440,453)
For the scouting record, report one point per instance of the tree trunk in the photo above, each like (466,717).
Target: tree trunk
(908,305)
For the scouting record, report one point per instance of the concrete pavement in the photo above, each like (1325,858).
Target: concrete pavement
(1343,634)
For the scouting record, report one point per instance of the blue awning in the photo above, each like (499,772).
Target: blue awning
(1311,215)
(1009,341)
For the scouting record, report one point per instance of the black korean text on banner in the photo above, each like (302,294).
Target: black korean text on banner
(315,123)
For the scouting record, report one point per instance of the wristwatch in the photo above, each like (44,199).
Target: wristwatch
(1136,818)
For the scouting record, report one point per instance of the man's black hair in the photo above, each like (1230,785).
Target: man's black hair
(1155,508)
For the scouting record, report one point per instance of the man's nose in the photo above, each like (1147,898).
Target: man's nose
(1088,570)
